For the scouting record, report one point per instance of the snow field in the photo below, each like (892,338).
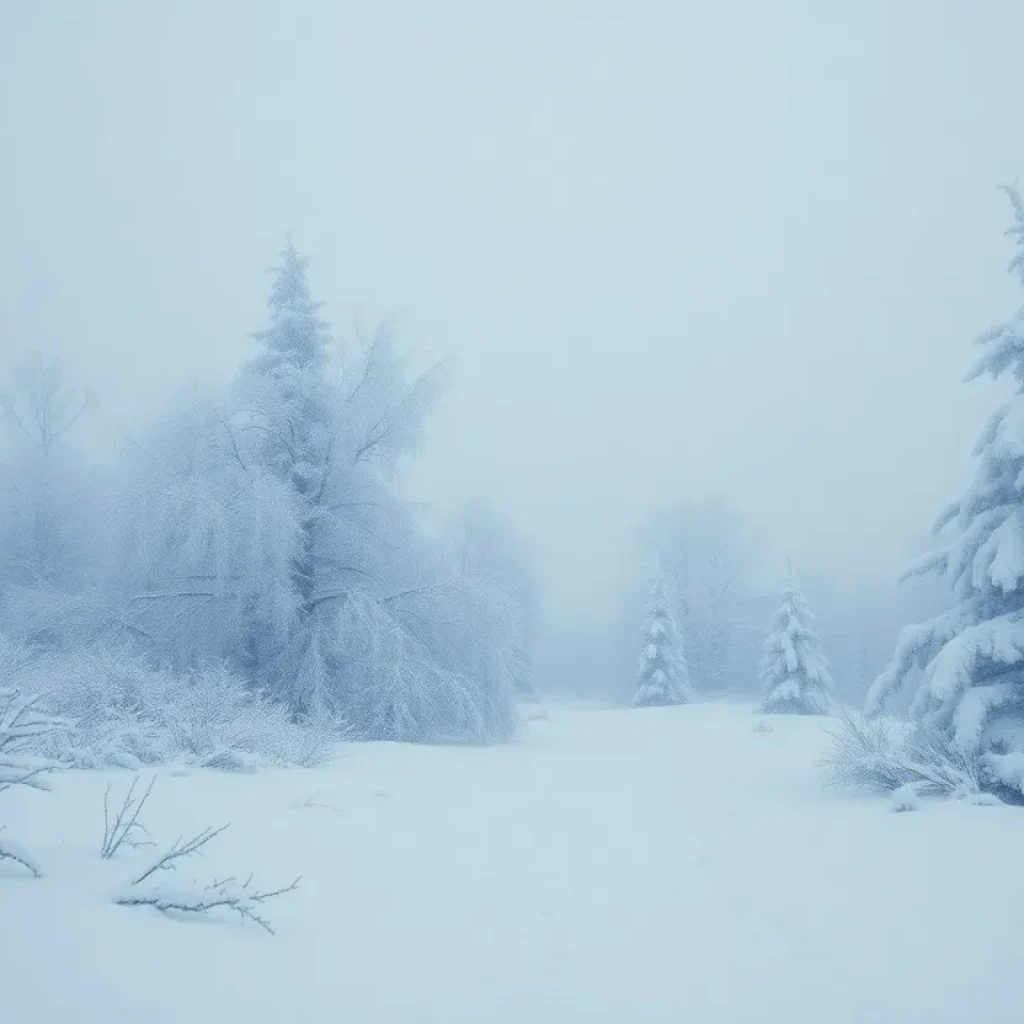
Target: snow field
(653,865)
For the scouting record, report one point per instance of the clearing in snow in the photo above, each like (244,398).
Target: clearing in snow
(668,864)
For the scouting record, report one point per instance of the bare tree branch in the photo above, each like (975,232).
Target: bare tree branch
(125,826)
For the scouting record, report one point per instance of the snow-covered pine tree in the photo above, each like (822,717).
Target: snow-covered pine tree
(663,677)
(795,675)
(972,656)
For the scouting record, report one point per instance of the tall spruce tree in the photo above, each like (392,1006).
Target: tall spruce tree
(971,658)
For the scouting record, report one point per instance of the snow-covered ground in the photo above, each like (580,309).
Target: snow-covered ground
(657,865)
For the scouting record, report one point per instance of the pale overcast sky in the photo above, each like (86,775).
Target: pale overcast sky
(674,247)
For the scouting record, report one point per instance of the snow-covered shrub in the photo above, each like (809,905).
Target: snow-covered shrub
(881,755)
(123,712)
(663,677)
(971,658)
(795,676)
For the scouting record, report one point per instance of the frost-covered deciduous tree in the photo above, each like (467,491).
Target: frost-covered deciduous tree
(485,550)
(41,482)
(265,532)
(971,657)
(709,556)
(663,677)
(795,675)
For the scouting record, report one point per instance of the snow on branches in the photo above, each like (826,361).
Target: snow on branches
(971,658)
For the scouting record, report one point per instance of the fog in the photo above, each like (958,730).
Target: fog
(474,471)
(674,250)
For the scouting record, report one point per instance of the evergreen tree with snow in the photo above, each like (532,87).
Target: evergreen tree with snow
(795,675)
(971,658)
(663,677)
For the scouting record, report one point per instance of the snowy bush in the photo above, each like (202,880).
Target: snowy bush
(795,676)
(970,658)
(663,677)
(122,712)
(882,755)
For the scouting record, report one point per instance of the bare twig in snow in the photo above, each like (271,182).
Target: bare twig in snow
(311,801)
(125,828)
(179,849)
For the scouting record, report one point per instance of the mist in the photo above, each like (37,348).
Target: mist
(672,251)
(531,494)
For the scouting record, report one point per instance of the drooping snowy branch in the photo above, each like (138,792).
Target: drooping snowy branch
(10,850)
(971,658)
(20,724)
(151,888)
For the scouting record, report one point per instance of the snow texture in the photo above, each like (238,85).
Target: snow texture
(599,873)
(795,675)
(663,677)
(971,658)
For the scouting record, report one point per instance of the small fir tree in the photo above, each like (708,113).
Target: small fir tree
(663,677)
(795,675)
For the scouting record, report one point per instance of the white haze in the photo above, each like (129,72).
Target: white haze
(675,249)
